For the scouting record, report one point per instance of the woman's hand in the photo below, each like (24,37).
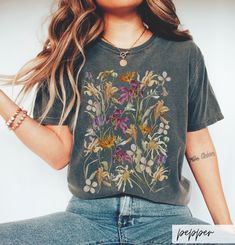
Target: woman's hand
(50,142)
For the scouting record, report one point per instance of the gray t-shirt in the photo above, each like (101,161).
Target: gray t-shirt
(133,120)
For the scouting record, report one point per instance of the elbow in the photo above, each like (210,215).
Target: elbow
(61,163)
(60,166)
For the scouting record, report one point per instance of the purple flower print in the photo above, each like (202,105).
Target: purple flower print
(98,121)
(88,75)
(121,124)
(161,159)
(117,121)
(136,88)
(125,95)
(117,112)
(121,156)
(130,92)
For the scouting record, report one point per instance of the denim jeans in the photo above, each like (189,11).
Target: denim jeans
(110,220)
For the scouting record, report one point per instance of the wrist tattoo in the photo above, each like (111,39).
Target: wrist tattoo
(203,155)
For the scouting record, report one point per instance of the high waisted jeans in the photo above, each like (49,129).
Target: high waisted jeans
(110,220)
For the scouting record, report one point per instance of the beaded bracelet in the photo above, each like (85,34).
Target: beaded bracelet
(10,121)
(18,123)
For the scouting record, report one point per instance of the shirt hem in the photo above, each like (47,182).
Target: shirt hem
(176,199)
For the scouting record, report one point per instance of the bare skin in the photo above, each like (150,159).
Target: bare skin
(58,140)
(203,161)
(121,17)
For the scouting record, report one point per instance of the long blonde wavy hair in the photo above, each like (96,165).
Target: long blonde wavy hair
(73,26)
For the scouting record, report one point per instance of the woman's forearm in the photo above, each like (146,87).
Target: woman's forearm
(38,138)
(203,161)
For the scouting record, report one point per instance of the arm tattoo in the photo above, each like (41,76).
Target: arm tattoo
(203,155)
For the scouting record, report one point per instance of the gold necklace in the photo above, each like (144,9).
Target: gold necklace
(123,54)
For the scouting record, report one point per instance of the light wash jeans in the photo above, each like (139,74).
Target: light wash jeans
(110,220)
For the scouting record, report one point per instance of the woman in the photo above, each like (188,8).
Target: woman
(122,95)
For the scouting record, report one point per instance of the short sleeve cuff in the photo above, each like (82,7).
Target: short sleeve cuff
(216,117)
(51,121)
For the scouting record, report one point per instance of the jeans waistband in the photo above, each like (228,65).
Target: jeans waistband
(125,205)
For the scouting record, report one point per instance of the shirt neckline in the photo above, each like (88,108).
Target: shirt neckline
(132,50)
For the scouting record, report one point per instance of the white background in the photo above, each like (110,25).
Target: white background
(28,186)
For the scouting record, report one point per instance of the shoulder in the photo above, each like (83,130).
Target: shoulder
(188,48)
(195,52)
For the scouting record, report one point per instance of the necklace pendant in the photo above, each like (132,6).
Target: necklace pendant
(123,62)
(123,54)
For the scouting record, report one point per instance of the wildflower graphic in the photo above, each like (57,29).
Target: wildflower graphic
(126,142)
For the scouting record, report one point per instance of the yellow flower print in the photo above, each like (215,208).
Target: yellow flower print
(160,109)
(105,74)
(145,129)
(109,91)
(119,114)
(91,90)
(149,79)
(107,141)
(93,146)
(123,176)
(127,77)
(159,174)
(101,175)
(155,144)
(132,131)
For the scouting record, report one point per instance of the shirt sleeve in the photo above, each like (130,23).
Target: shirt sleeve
(203,106)
(53,116)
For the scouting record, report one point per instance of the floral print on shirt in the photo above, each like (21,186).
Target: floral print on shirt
(126,144)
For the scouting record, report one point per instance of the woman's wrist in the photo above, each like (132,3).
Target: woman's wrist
(7,106)
(2,94)
(227,221)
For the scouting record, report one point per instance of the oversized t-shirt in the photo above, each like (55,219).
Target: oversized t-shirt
(133,119)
